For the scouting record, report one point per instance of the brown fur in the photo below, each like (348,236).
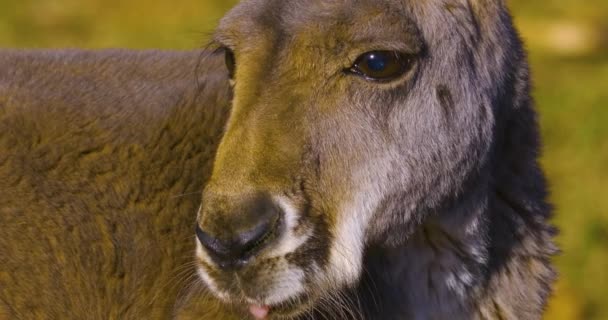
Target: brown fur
(102,159)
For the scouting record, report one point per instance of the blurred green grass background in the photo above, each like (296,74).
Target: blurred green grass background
(568,45)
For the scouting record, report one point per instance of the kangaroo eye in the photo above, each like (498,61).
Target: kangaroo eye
(230,62)
(382,65)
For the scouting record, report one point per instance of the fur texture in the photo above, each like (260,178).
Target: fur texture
(102,159)
(420,198)
(423,195)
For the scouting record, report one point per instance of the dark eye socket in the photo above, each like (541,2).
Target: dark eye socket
(382,65)
(230,62)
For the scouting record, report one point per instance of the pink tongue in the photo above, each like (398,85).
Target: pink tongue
(259,312)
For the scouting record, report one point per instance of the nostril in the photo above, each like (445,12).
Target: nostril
(255,238)
(210,243)
(241,248)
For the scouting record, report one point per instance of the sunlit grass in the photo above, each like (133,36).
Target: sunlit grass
(108,23)
(567,41)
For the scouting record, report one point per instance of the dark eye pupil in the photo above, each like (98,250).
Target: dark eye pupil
(382,65)
(377,61)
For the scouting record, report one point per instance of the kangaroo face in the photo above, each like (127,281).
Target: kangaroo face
(351,122)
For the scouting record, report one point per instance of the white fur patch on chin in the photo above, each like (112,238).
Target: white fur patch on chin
(288,283)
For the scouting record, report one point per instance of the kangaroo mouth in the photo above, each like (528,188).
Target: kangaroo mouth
(259,312)
(285,310)
(284,279)
(264,292)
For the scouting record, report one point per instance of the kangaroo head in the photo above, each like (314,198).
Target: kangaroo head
(352,121)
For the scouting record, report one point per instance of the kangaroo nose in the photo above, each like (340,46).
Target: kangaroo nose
(235,252)
(232,238)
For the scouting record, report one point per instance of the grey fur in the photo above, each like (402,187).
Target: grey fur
(447,160)
(442,167)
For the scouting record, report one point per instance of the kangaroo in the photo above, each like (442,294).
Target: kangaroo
(357,159)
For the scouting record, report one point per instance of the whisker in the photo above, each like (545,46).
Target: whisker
(186,194)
